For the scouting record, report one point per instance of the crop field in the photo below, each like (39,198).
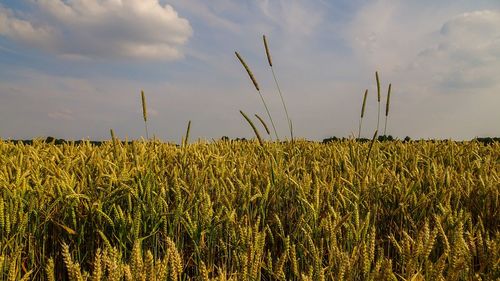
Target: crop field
(241,210)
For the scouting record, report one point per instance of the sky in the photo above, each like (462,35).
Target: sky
(74,69)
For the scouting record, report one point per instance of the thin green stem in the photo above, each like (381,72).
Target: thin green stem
(146,126)
(385,127)
(269,114)
(360,123)
(283,102)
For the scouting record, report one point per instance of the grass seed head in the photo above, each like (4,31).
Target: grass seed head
(268,54)
(263,124)
(388,101)
(364,104)
(254,81)
(253,127)
(378,86)
(144,111)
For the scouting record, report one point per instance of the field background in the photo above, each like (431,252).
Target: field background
(237,210)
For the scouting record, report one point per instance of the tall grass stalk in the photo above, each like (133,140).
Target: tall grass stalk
(186,138)
(371,146)
(378,98)
(253,127)
(362,113)
(387,107)
(268,54)
(254,81)
(113,139)
(145,113)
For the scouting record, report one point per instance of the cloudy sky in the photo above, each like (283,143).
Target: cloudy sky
(74,69)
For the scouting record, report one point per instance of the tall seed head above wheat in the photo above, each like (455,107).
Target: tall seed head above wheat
(269,60)
(254,81)
(144,113)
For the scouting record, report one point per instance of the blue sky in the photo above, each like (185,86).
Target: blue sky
(74,69)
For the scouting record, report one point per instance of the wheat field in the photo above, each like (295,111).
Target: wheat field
(230,210)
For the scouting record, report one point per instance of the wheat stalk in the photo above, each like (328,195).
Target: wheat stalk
(268,54)
(362,113)
(254,81)
(387,107)
(253,127)
(144,113)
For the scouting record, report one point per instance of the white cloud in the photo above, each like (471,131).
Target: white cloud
(142,29)
(443,63)
(296,17)
(466,54)
(456,51)
(24,31)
